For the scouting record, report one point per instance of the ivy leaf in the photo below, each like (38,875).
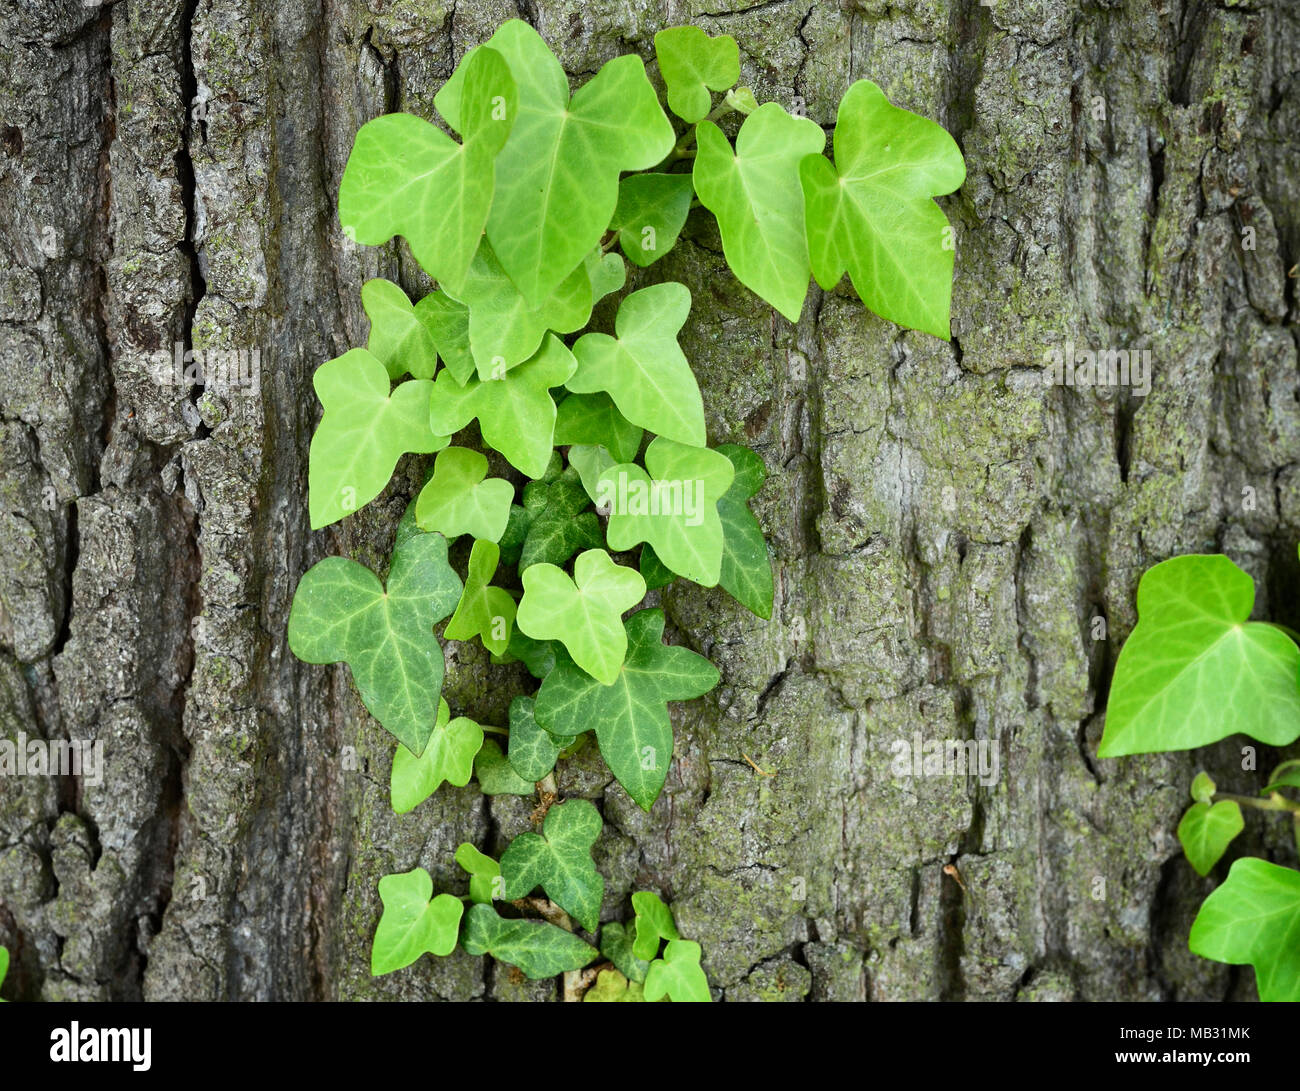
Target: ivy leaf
(342,613)
(644,369)
(692,65)
(449,756)
(557,176)
(606,272)
(654,922)
(582,613)
(484,874)
(457,500)
(651,212)
(533,750)
(630,716)
(612,987)
(559,861)
(538,656)
(4,967)
(1286,775)
(362,433)
(496,776)
(515,412)
(483,611)
(674,507)
(755,194)
(413,922)
(590,460)
(656,573)
(678,975)
(1203,788)
(537,948)
(407,177)
(616,945)
(1195,670)
(447,320)
(559,526)
(1207,830)
(1254,918)
(594,419)
(872,213)
(401,337)
(746,571)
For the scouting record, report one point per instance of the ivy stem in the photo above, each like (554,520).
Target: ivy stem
(1275,802)
(495,730)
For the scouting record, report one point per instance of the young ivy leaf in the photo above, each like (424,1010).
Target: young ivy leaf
(616,945)
(582,613)
(674,507)
(557,176)
(362,434)
(644,369)
(755,194)
(484,874)
(449,756)
(1195,670)
(413,922)
(401,336)
(654,922)
(1254,918)
(678,975)
(606,272)
(4,967)
(590,460)
(1207,830)
(651,212)
(559,527)
(515,412)
(537,948)
(873,212)
(533,750)
(594,419)
(692,65)
(457,500)
(407,177)
(559,861)
(496,776)
(447,320)
(630,715)
(746,571)
(484,612)
(1203,788)
(1286,775)
(342,613)
(612,987)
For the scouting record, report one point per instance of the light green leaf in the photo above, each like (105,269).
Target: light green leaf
(1207,830)
(1286,775)
(559,861)
(606,272)
(496,776)
(1203,788)
(407,177)
(674,507)
(559,527)
(654,922)
(362,433)
(537,948)
(1195,670)
(585,419)
(4,967)
(644,369)
(413,922)
(612,987)
(651,212)
(400,335)
(616,945)
(1254,918)
(755,194)
(692,65)
(557,176)
(457,500)
(582,613)
(746,571)
(447,320)
(484,874)
(342,613)
(515,412)
(533,750)
(483,611)
(449,757)
(678,975)
(630,716)
(590,460)
(872,213)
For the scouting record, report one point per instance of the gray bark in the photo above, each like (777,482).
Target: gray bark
(944,527)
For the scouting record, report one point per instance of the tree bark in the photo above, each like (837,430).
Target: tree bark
(949,534)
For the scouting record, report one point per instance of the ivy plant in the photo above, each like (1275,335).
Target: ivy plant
(527,202)
(1194,670)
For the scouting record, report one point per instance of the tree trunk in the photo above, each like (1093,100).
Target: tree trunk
(956,544)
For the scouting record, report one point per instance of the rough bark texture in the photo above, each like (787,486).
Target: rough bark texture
(945,528)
